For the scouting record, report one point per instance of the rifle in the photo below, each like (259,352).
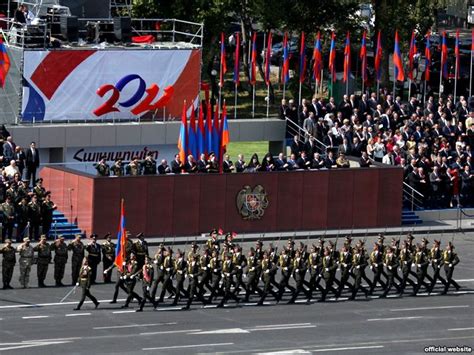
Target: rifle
(73,290)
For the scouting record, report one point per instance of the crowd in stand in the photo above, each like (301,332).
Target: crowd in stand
(431,141)
(24,202)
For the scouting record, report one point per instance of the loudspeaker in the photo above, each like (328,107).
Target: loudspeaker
(123,28)
(70,28)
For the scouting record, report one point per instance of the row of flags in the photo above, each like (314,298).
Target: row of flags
(317,57)
(4,63)
(210,135)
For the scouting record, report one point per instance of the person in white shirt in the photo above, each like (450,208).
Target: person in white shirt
(12,169)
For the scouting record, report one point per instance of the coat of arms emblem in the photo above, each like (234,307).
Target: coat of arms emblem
(251,204)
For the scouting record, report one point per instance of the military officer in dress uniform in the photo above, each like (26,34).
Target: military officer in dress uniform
(240,262)
(44,258)
(267,268)
(94,254)
(391,265)
(108,257)
(421,262)
(77,257)
(436,258)
(22,216)
(314,266)
(60,259)
(47,209)
(34,216)
(205,272)
(359,263)
(329,267)
(103,169)
(140,249)
(8,263)
(228,272)
(180,266)
(285,265)
(26,259)
(253,272)
(8,221)
(168,265)
(406,259)
(149,165)
(376,264)
(160,272)
(216,266)
(345,265)
(299,272)
(130,273)
(39,190)
(84,282)
(450,260)
(193,270)
(147,281)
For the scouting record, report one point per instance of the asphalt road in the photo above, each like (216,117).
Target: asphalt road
(33,321)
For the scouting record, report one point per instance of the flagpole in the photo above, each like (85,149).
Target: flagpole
(235,100)
(409,89)
(316,83)
(268,99)
(378,89)
(284,88)
(299,98)
(220,87)
(456,79)
(470,75)
(394,81)
(321,82)
(441,79)
(253,101)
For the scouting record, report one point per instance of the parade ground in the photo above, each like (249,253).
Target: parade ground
(34,320)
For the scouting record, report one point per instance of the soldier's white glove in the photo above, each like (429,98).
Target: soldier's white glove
(124,263)
(358,267)
(215,270)
(132,277)
(419,265)
(148,288)
(267,271)
(105,272)
(285,268)
(204,268)
(327,269)
(450,265)
(412,265)
(168,269)
(244,276)
(390,268)
(155,261)
(77,283)
(297,270)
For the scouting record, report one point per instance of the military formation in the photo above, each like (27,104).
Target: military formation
(221,272)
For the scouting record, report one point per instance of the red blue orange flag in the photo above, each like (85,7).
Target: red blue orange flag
(4,63)
(444,56)
(457,53)
(237,59)
(268,55)
(317,58)
(347,58)
(411,55)
(223,61)
(427,57)
(253,60)
(302,58)
(285,73)
(225,137)
(120,253)
(397,60)
(201,134)
(215,134)
(332,57)
(209,128)
(363,56)
(192,134)
(183,132)
(378,57)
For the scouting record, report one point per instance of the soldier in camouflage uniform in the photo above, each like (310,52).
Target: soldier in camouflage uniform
(60,259)
(8,263)
(44,258)
(26,259)
(108,257)
(78,252)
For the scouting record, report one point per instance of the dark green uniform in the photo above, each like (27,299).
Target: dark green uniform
(149,166)
(168,277)
(284,262)
(84,281)
(180,266)
(108,257)
(8,264)
(130,278)
(47,210)
(253,272)
(44,258)
(193,271)
(140,249)
(78,252)
(421,262)
(147,281)
(299,272)
(94,255)
(345,264)
(228,272)
(216,267)
(60,260)
(8,210)
(34,216)
(450,259)
(267,267)
(405,264)
(314,266)
(391,266)
(359,263)
(26,253)
(22,211)
(103,169)
(376,264)
(160,273)
(329,268)
(436,258)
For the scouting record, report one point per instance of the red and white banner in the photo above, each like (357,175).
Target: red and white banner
(93,85)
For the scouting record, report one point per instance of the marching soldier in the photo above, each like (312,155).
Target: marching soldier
(345,264)
(314,266)
(26,259)
(361,244)
(240,262)
(180,266)
(228,272)
(405,263)
(284,262)
(359,263)
(193,251)
(60,259)
(421,262)
(34,216)
(131,271)
(212,242)
(259,249)
(168,264)
(8,221)
(93,256)
(77,257)
(391,264)
(436,258)
(147,281)
(450,259)
(108,257)
(329,268)
(253,265)
(267,267)
(120,283)
(376,264)
(215,267)
(299,272)
(44,258)
(140,249)
(205,272)
(84,282)
(8,263)
(129,247)
(193,270)
(160,273)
